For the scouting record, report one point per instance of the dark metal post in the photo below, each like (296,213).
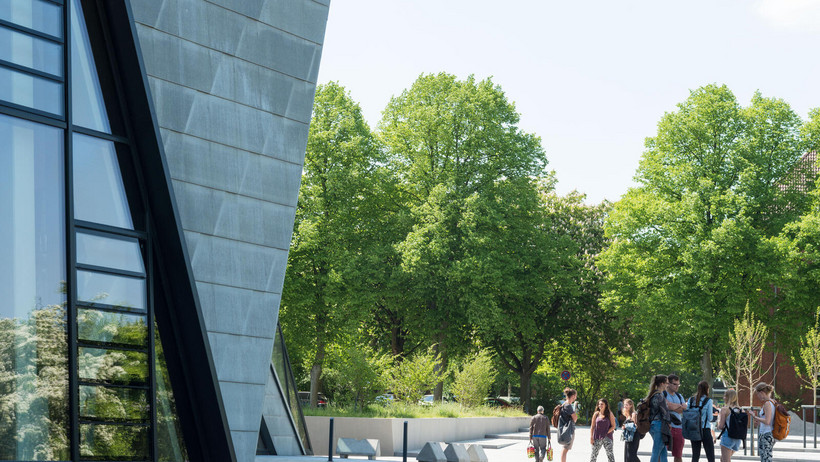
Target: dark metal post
(404,447)
(804,425)
(330,441)
(752,446)
(814,414)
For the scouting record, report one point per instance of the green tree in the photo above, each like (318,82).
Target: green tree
(449,141)
(744,360)
(807,361)
(411,377)
(340,157)
(473,379)
(690,243)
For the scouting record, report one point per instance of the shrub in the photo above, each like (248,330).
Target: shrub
(474,379)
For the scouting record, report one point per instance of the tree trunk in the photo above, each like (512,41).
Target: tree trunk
(440,368)
(316,374)
(526,379)
(706,367)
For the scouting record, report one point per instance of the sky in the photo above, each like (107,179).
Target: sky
(591,78)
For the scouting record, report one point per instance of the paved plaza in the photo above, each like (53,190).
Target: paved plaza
(512,447)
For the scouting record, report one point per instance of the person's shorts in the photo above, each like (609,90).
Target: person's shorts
(731,443)
(569,445)
(677,442)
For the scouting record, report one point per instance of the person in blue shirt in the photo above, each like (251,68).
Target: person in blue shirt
(701,400)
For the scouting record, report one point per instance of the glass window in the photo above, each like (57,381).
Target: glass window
(170,445)
(110,289)
(32,52)
(39,15)
(113,442)
(30,91)
(33,342)
(110,252)
(99,193)
(113,366)
(114,403)
(88,106)
(104,326)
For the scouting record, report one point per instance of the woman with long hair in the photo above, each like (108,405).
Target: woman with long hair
(630,417)
(603,424)
(659,416)
(703,403)
(728,445)
(765,440)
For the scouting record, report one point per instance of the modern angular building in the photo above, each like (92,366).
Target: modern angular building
(150,160)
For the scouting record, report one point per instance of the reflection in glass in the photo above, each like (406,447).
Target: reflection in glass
(113,442)
(114,404)
(110,252)
(113,366)
(170,444)
(39,15)
(33,343)
(30,91)
(108,327)
(99,194)
(88,108)
(32,52)
(109,289)
(284,372)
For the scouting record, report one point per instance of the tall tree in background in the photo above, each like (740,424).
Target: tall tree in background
(449,141)
(690,243)
(339,163)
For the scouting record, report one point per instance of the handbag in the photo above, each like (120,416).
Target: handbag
(549,450)
(530,451)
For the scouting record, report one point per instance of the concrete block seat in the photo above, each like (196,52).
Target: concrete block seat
(352,447)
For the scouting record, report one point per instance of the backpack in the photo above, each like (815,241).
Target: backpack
(644,411)
(556,414)
(738,424)
(691,422)
(781,422)
(566,427)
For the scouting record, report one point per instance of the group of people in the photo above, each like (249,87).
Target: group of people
(666,408)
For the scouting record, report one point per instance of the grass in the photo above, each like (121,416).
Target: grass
(413,411)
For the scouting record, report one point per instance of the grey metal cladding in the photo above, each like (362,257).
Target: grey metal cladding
(233,84)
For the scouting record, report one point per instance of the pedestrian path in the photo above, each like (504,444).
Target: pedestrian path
(512,447)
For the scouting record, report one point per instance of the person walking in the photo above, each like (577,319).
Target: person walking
(676,404)
(702,401)
(765,440)
(603,425)
(630,417)
(568,412)
(728,445)
(659,416)
(539,433)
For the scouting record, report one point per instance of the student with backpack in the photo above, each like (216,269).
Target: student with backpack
(703,404)
(676,404)
(765,440)
(630,435)
(659,418)
(733,423)
(566,423)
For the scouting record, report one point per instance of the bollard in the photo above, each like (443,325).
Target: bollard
(804,425)
(330,442)
(404,448)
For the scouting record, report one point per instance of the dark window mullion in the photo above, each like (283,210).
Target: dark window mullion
(32,114)
(30,71)
(32,32)
(124,422)
(71,254)
(110,308)
(99,134)
(112,346)
(111,271)
(86,383)
(152,379)
(80,224)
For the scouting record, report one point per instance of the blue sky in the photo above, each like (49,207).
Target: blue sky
(591,78)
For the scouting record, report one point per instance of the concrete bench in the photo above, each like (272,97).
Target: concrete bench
(353,447)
